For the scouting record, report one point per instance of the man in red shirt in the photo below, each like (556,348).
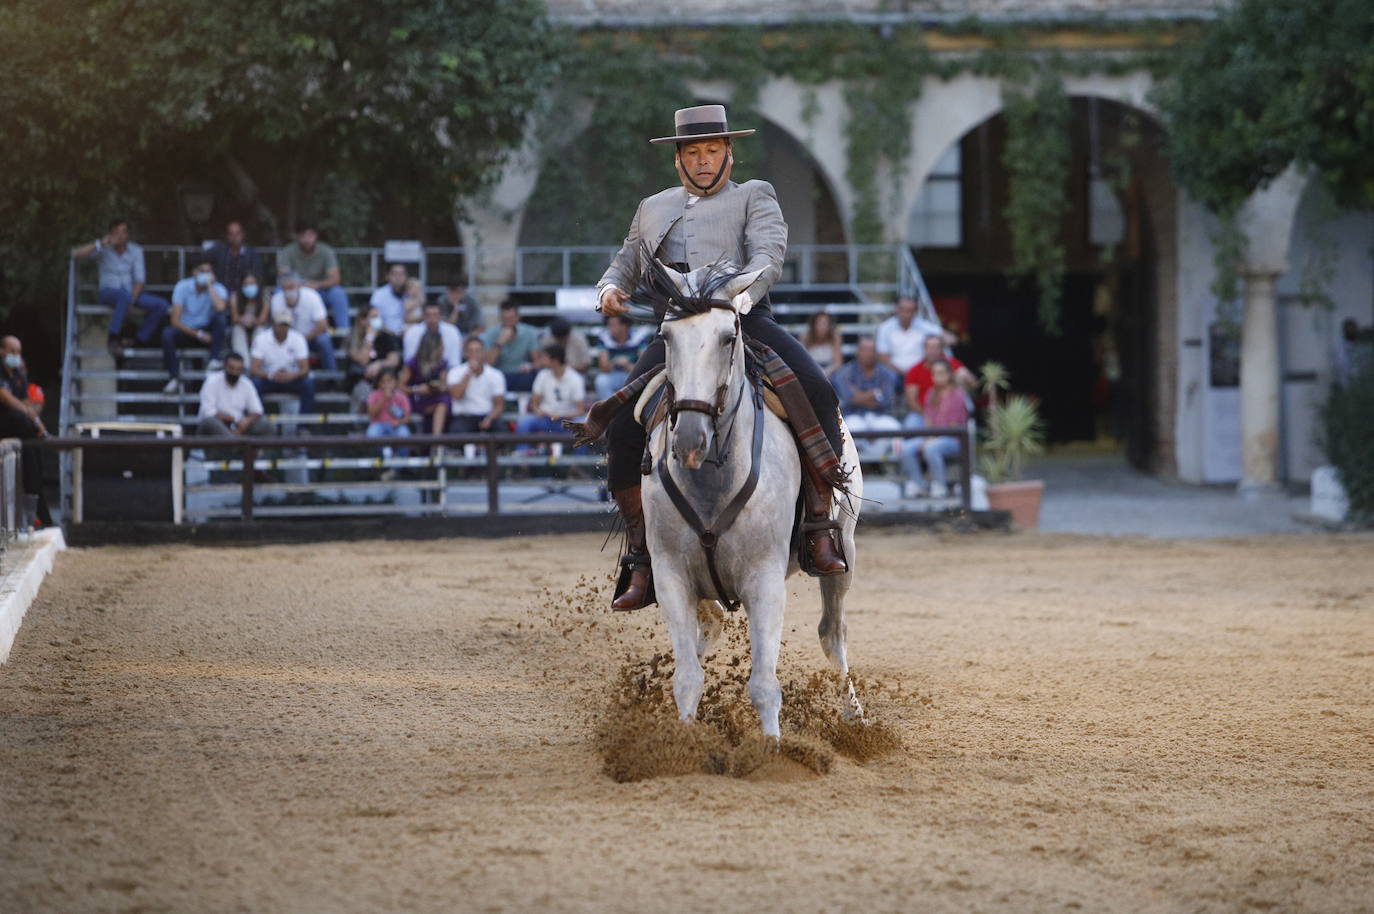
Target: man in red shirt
(918,380)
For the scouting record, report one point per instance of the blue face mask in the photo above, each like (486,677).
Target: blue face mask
(250,291)
(202,279)
(12,360)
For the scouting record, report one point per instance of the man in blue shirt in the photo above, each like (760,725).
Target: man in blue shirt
(232,259)
(867,390)
(199,316)
(122,277)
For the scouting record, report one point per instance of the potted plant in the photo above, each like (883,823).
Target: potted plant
(1012,434)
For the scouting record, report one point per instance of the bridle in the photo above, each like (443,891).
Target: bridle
(717,409)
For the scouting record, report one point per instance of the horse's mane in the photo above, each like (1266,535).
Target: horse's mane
(657,288)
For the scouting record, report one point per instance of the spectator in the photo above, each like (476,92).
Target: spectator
(281,361)
(822,341)
(574,342)
(477,390)
(617,351)
(122,276)
(415,301)
(433,322)
(200,315)
(247,314)
(559,393)
(902,336)
(19,418)
(229,406)
(318,268)
(390,300)
(511,345)
(461,309)
(919,380)
(944,407)
(867,390)
(424,375)
(388,410)
(233,260)
(371,349)
(306,308)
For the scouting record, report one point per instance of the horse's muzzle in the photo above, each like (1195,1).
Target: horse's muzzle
(692,436)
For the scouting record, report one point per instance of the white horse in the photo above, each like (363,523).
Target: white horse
(708,451)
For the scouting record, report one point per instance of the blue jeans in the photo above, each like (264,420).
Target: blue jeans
(154,308)
(172,338)
(301,387)
(336,300)
(387,430)
(608,382)
(935,451)
(538,425)
(323,347)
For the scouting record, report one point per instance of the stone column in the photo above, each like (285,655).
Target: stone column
(1259,386)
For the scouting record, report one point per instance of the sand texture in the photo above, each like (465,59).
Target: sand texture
(1067,724)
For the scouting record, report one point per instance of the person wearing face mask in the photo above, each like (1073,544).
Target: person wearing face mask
(200,317)
(230,406)
(308,317)
(247,313)
(19,418)
(371,348)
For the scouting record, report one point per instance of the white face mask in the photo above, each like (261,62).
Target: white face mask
(250,291)
(375,323)
(202,279)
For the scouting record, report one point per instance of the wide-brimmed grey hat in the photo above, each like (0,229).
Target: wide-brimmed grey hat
(700,123)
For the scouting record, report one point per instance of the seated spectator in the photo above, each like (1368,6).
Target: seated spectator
(560,332)
(307,317)
(20,418)
(867,391)
(318,268)
(389,299)
(617,351)
(281,361)
(424,377)
(200,316)
(511,345)
(248,313)
(477,391)
(919,381)
(234,261)
(433,322)
(388,410)
(371,349)
(230,406)
(901,337)
(122,276)
(944,407)
(559,393)
(460,308)
(415,301)
(822,341)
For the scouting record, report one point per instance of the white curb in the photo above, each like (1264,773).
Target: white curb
(26,563)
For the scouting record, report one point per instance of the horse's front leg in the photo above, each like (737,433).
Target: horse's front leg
(765,602)
(680,611)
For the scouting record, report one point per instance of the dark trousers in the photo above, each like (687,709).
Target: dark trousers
(625,437)
(172,338)
(15,423)
(301,387)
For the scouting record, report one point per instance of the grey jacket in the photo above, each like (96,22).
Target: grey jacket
(742,224)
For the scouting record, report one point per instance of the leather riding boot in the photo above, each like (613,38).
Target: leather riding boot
(634,589)
(821,532)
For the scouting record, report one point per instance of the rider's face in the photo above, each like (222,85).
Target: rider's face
(703,160)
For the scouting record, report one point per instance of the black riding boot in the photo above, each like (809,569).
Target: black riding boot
(635,589)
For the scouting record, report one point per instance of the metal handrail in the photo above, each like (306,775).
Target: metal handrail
(71,342)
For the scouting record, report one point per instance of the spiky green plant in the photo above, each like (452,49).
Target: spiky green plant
(1013,434)
(995,379)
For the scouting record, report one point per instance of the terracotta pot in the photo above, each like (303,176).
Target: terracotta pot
(1022,499)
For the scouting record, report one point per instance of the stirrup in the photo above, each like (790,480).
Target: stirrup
(827,527)
(628,563)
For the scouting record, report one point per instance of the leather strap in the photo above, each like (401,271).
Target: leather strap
(710,535)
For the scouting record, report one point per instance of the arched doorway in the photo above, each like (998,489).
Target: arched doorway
(1107,377)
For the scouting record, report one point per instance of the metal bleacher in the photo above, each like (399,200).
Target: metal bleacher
(856,284)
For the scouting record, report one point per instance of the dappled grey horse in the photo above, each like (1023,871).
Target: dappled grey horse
(721,500)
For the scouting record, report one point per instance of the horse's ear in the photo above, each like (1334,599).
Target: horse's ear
(742,282)
(678,279)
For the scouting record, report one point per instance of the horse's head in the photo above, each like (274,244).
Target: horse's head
(705,351)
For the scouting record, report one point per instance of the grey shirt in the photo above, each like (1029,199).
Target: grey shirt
(121,271)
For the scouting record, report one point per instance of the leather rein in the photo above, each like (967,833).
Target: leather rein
(709,535)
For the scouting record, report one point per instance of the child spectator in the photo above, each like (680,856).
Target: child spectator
(200,308)
(122,276)
(371,348)
(415,301)
(478,391)
(423,378)
(247,314)
(944,407)
(822,342)
(388,410)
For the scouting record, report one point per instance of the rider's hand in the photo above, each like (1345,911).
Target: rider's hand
(742,302)
(613,301)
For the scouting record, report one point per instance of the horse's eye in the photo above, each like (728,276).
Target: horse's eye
(728,340)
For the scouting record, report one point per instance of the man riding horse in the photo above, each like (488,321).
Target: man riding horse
(712,220)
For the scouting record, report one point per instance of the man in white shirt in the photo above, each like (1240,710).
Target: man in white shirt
(559,393)
(901,338)
(281,361)
(390,299)
(433,320)
(308,316)
(229,406)
(478,391)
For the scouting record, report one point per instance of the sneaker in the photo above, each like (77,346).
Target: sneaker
(214,365)
(938,490)
(911,489)
(172,386)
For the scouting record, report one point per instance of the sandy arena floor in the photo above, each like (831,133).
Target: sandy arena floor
(1087,725)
